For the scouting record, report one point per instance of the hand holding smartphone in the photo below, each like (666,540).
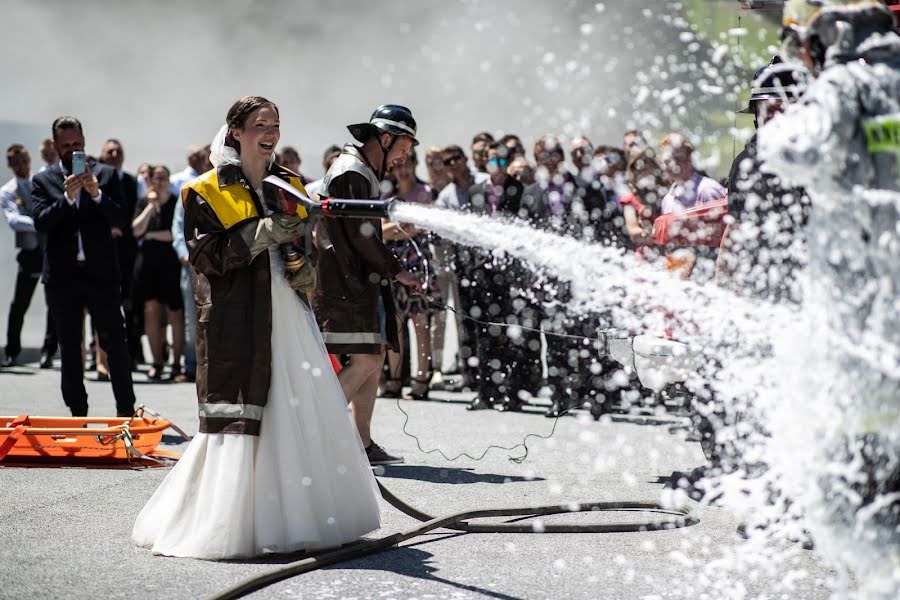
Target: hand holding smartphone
(79,163)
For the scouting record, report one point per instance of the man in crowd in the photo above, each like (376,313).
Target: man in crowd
(354,302)
(479,149)
(495,292)
(330,155)
(690,187)
(576,206)
(608,163)
(290,159)
(634,143)
(112,154)
(513,145)
(522,170)
(48,154)
(18,208)
(452,259)
(76,213)
(198,163)
(581,151)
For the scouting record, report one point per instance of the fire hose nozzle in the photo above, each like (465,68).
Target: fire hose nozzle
(364,209)
(338,207)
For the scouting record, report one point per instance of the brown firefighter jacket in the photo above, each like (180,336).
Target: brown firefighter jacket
(355,268)
(233,295)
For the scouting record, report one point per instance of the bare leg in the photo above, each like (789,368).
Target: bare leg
(422,378)
(102,359)
(393,385)
(154,331)
(359,380)
(176,320)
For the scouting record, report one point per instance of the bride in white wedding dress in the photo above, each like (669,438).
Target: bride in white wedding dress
(304,481)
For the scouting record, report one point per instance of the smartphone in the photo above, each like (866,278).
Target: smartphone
(78,163)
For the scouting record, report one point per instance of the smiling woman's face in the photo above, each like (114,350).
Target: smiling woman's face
(260,133)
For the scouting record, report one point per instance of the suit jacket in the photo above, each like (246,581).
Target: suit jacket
(510,203)
(589,211)
(127,245)
(469,258)
(61,223)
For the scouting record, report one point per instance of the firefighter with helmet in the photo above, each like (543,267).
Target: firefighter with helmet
(841,143)
(353,301)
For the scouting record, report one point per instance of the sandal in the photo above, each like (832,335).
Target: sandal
(176,371)
(393,388)
(416,395)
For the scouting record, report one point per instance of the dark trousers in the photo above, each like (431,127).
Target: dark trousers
(133,308)
(67,303)
(508,357)
(30,266)
(574,371)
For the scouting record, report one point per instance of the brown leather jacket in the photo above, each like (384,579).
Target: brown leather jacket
(355,268)
(233,296)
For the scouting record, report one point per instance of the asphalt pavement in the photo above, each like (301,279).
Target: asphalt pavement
(65,531)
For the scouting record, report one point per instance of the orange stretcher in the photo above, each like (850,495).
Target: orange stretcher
(91,438)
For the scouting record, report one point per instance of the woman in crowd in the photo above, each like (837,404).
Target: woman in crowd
(641,206)
(157,272)
(278,465)
(410,246)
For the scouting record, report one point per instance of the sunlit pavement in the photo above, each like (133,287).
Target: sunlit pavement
(66,531)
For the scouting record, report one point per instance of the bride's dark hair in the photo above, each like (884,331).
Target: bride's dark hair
(238,113)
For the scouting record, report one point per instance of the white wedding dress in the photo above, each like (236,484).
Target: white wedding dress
(303,484)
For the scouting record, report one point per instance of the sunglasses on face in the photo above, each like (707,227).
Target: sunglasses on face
(453,160)
(498,162)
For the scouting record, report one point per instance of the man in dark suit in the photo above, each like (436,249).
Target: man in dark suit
(76,214)
(575,205)
(112,154)
(495,290)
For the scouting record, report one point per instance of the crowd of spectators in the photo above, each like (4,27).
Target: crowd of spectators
(608,194)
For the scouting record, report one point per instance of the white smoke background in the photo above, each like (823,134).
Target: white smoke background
(160,75)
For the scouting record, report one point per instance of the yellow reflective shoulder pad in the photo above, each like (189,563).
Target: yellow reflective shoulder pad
(232,203)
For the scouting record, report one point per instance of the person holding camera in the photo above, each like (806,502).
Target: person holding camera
(76,204)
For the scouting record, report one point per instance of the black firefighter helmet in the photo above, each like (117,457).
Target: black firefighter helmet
(775,81)
(387,118)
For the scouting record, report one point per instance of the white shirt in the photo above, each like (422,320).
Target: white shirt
(9,193)
(76,202)
(179,180)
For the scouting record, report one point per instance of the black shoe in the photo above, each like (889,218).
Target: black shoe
(10,361)
(558,409)
(379,456)
(479,404)
(393,388)
(512,406)
(125,413)
(46,360)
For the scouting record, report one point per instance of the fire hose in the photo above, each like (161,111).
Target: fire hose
(677,517)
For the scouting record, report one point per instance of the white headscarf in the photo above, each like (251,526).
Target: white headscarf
(220,154)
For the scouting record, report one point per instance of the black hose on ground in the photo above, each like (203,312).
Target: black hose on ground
(459,522)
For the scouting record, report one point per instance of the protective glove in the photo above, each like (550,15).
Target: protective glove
(270,231)
(303,279)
